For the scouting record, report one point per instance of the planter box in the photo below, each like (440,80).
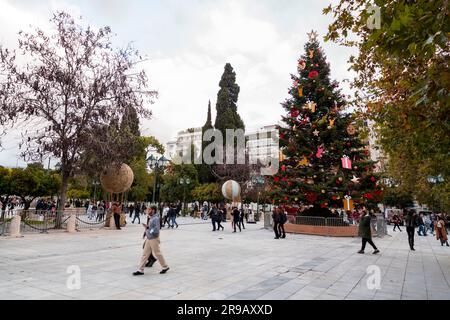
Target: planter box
(346,231)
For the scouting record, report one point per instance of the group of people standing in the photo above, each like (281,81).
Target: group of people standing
(96,210)
(413,221)
(169,213)
(279,217)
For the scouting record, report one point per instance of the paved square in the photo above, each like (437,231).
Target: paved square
(221,265)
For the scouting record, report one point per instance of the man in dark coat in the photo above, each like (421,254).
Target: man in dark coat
(366,233)
(276,222)
(411,224)
(236,219)
(213,214)
(282,220)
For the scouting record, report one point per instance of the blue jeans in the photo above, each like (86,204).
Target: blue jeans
(173,221)
(421,231)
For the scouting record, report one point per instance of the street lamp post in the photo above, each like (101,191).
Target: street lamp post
(156,163)
(184,182)
(257,180)
(434,180)
(95,183)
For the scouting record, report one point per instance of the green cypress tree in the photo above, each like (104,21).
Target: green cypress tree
(204,170)
(315,137)
(226,106)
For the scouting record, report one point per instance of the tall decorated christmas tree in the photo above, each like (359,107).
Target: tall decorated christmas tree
(323,163)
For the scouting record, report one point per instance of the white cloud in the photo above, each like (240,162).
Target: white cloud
(188,46)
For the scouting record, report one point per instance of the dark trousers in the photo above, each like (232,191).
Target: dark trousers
(281,231)
(219,226)
(367,240)
(117,220)
(238,223)
(397,225)
(410,231)
(276,230)
(213,221)
(136,215)
(241,222)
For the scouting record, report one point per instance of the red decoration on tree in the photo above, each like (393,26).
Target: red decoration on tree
(281,135)
(346,162)
(368,196)
(373,179)
(276,179)
(313,74)
(283,168)
(311,197)
(294,113)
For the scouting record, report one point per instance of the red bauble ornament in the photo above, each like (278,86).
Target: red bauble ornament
(373,179)
(283,179)
(276,179)
(311,197)
(349,144)
(334,198)
(283,168)
(281,135)
(294,113)
(290,183)
(313,74)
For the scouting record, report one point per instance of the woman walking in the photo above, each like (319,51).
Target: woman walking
(365,233)
(441,231)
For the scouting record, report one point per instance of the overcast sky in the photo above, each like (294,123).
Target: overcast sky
(188,43)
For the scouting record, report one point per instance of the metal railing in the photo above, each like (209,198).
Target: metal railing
(321,221)
(42,221)
(84,222)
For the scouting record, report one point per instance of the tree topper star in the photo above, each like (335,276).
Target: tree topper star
(312,35)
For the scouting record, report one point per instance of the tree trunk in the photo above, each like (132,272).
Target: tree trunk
(62,203)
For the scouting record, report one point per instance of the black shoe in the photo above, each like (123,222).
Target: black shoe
(376,251)
(412,249)
(361,251)
(234,231)
(164,270)
(138,273)
(277,238)
(177,226)
(283,237)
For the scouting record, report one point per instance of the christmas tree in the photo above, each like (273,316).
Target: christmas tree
(324,162)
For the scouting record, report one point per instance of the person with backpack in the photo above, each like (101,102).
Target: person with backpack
(282,221)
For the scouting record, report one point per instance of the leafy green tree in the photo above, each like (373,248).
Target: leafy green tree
(316,135)
(5,188)
(403,77)
(172,190)
(210,192)
(33,182)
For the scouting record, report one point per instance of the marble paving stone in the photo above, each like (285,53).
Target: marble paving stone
(212,265)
